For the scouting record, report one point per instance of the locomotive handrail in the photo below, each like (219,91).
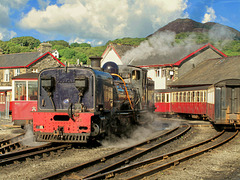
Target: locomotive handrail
(125,89)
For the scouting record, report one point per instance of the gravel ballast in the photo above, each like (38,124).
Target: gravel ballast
(220,163)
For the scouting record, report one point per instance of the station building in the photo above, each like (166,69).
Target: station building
(165,68)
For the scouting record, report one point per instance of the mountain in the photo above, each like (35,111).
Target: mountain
(189,25)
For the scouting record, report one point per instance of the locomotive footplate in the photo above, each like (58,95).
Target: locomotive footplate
(69,137)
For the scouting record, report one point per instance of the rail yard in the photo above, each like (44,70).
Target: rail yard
(162,152)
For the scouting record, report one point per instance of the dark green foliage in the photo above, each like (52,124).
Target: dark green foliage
(26,41)
(80,45)
(59,42)
(128,41)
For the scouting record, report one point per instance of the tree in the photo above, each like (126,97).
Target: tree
(82,57)
(26,41)
(80,45)
(59,42)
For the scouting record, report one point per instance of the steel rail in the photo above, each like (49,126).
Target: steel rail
(151,160)
(30,154)
(9,147)
(10,140)
(177,161)
(23,151)
(103,159)
(135,156)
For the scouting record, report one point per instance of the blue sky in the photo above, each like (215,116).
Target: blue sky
(97,21)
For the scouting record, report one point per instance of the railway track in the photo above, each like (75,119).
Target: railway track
(11,144)
(30,152)
(153,165)
(120,158)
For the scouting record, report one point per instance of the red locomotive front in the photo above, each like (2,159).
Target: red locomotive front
(69,104)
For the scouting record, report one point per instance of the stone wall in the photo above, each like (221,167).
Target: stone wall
(46,62)
(11,75)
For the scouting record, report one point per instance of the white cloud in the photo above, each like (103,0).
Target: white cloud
(209,16)
(5,6)
(108,19)
(5,34)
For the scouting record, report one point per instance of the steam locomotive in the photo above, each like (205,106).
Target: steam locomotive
(78,104)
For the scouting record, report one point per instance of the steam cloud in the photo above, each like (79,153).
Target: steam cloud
(164,44)
(141,134)
(29,139)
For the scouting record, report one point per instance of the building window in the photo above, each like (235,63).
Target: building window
(171,73)
(157,71)
(20,90)
(163,73)
(34,70)
(6,75)
(16,72)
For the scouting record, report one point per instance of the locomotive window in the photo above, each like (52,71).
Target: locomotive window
(20,90)
(135,74)
(32,90)
(108,96)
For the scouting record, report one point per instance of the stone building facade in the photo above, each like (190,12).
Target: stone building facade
(12,65)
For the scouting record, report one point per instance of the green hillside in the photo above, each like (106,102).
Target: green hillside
(71,52)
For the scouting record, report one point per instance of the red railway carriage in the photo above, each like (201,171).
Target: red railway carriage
(24,98)
(220,102)
(182,101)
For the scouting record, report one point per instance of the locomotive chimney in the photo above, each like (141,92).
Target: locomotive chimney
(95,62)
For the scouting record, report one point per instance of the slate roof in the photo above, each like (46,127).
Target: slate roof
(21,60)
(27,76)
(120,49)
(210,72)
(175,56)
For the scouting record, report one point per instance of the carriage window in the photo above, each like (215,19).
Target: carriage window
(197,96)
(135,75)
(201,96)
(204,96)
(20,90)
(32,90)
(158,98)
(163,97)
(167,97)
(193,97)
(184,97)
(188,97)
(180,98)
(177,97)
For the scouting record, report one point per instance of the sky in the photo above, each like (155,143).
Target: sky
(97,21)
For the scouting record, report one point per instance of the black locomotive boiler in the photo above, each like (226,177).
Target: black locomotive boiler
(77,104)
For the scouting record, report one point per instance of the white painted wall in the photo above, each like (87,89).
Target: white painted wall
(111,56)
(159,81)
